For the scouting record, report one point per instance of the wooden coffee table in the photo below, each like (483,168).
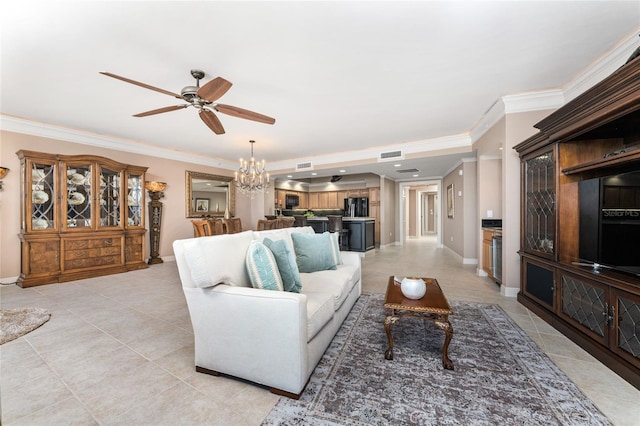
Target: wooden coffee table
(432,306)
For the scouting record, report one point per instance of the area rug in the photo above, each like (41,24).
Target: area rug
(18,322)
(501,377)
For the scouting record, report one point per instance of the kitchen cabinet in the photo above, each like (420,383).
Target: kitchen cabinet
(374,210)
(304,200)
(487,252)
(314,200)
(82,216)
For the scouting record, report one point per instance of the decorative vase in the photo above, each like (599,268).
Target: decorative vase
(226,214)
(413,287)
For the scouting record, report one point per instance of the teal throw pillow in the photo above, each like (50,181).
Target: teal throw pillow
(313,251)
(262,267)
(287,265)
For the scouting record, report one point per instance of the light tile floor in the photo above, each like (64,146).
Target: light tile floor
(118,349)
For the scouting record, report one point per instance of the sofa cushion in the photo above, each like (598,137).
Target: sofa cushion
(262,267)
(286,261)
(335,248)
(282,234)
(219,259)
(336,282)
(319,312)
(313,252)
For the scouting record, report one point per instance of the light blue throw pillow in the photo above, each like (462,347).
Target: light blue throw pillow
(313,251)
(262,267)
(287,265)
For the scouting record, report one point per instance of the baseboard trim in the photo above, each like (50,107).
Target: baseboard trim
(509,291)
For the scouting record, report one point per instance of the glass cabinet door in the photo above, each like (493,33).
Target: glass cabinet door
(110,196)
(134,200)
(79,192)
(540,203)
(42,184)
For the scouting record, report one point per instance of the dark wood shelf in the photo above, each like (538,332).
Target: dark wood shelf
(615,161)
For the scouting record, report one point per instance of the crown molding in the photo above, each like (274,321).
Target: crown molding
(534,101)
(555,98)
(28,127)
(602,67)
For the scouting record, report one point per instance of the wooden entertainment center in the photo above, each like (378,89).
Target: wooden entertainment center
(593,136)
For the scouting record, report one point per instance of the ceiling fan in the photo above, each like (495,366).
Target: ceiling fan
(203,99)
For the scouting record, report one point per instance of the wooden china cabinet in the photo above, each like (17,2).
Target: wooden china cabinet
(566,170)
(81,216)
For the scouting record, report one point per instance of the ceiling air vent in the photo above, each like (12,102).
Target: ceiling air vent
(390,155)
(304,166)
(407,171)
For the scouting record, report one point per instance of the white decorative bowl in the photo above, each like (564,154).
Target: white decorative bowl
(413,288)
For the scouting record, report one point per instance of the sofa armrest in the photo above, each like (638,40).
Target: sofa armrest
(259,335)
(350,258)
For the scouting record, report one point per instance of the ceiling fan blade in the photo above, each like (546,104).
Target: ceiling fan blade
(243,113)
(161,110)
(137,83)
(212,121)
(214,89)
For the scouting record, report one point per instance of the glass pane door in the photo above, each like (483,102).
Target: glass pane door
(78,196)
(110,196)
(540,214)
(42,196)
(134,200)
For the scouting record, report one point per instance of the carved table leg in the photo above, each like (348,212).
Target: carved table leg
(387,327)
(445,325)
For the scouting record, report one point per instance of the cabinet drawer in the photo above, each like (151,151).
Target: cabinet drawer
(91,243)
(90,262)
(88,253)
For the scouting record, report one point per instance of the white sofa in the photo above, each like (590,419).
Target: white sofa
(274,338)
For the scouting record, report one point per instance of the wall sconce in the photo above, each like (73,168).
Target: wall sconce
(156,191)
(3,173)
(155,187)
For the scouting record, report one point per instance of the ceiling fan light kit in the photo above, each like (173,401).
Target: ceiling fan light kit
(203,99)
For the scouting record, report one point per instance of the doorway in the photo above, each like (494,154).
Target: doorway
(420,210)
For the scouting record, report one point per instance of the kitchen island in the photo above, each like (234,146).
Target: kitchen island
(361,230)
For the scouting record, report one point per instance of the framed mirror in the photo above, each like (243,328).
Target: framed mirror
(209,195)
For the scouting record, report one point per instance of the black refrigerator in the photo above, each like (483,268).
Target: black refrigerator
(356,206)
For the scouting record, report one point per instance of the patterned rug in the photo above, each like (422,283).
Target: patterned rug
(18,322)
(501,377)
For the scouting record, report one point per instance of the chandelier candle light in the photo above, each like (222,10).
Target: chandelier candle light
(252,177)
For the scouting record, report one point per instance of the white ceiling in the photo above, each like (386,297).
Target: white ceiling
(339,77)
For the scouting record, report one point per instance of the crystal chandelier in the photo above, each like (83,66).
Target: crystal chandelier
(251,177)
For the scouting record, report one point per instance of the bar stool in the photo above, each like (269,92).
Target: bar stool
(300,220)
(335,225)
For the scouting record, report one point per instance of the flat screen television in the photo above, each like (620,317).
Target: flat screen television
(610,222)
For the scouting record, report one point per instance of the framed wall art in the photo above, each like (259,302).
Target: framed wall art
(202,204)
(450,207)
